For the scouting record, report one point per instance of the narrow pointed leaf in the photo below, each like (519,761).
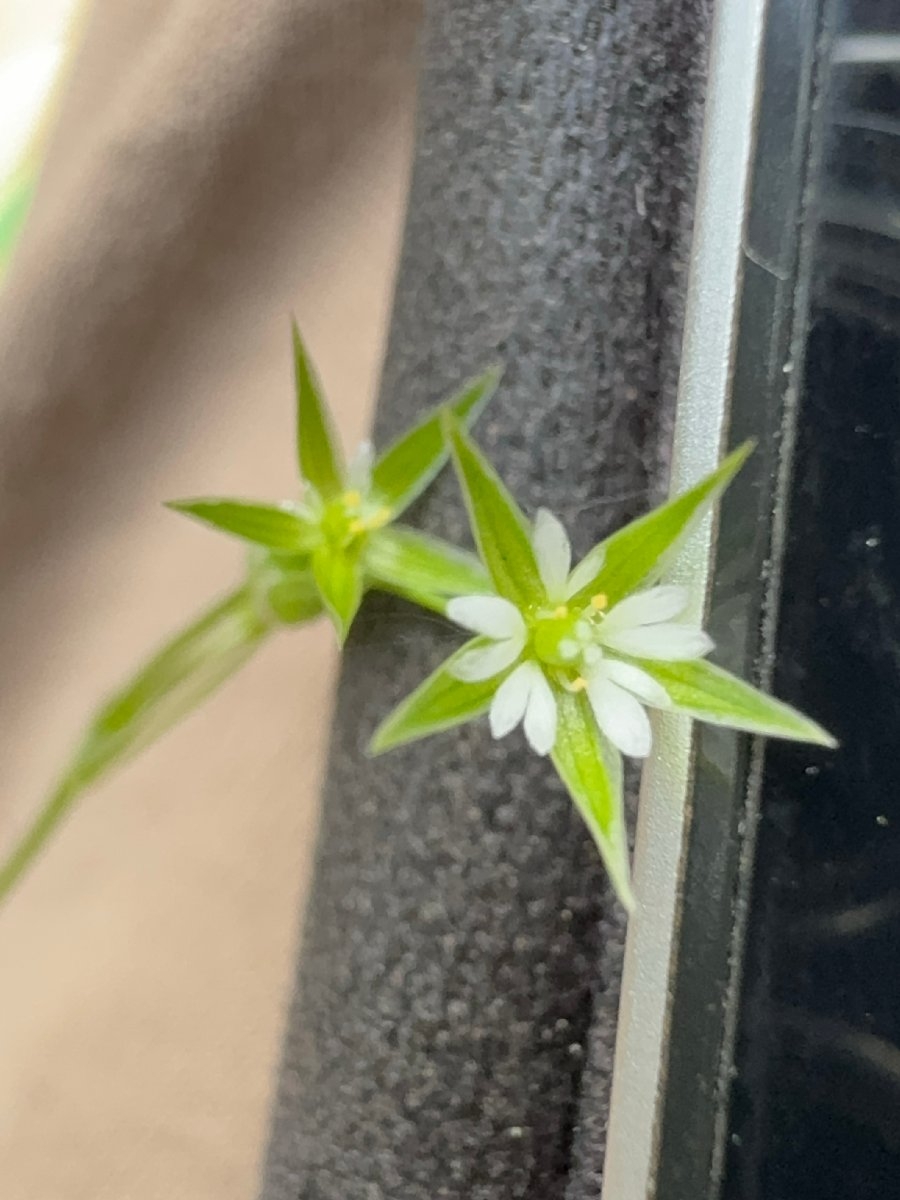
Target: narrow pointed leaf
(591,769)
(339,578)
(710,694)
(639,553)
(318,449)
(421,568)
(441,702)
(274,526)
(498,524)
(175,681)
(408,466)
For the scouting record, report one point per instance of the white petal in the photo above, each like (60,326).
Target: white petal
(667,643)
(483,662)
(359,473)
(620,717)
(540,715)
(553,553)
(638,682)
(647,608)
(511,700)
(587,570)
(491,616)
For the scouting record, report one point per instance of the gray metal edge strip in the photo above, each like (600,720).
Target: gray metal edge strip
(701,431)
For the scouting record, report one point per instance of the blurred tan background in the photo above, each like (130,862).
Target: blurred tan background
(217,166)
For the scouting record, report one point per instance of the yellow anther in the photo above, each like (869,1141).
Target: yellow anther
(561,611)
(352,499)
(599,602)
(578,685)
(357,526)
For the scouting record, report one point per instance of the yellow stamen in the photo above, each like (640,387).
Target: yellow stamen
(357,526)
(578,685)
(352,499)
(599,602)
(561,611)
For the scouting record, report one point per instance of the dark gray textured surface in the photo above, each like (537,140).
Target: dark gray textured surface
(452,1029)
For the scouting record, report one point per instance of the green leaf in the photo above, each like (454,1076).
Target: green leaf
(639,553)
(339,578)
(408,466)
(441,702)
(591,769)
(270,525)
(711,694)
(318,449)
(175,681)
(498,524)
(421,568)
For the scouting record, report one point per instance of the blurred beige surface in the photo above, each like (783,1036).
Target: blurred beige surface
(217,166)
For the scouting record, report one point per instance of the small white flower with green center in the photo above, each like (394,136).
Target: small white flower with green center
(342,532)
(577,657)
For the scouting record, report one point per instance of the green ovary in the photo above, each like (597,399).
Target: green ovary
(558,637)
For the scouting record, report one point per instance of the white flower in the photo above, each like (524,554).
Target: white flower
(640,625)
(525,696)
(577,647)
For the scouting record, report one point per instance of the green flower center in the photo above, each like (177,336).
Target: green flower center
(351,516)
(561,635)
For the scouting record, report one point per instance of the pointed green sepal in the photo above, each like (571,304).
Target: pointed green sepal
(407,467)
(710,694)
(285,586)
(275,526)
(591,769)
(423,569)
(318,448)
(441,702)
(498,524)
(173,683)
(638,554)
(339,578)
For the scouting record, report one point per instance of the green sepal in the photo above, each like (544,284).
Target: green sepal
(277,527)
(174,682)
(441,702)
(319,452)
(498,524)
(591,769)
(638,554)
(710,694)
(339,578)
(423,569)
(285,586)
(408,466)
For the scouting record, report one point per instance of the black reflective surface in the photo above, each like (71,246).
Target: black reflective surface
(815,1100)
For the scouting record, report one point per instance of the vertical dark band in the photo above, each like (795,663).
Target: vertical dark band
(459,973)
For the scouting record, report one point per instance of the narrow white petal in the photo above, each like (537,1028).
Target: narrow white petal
(638,682)
(620,717)
(359,474)
(511,700)
(646,608)
(553,553)
(667,643)
(483,662)
(540,715)
(587,569)
(491,616)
